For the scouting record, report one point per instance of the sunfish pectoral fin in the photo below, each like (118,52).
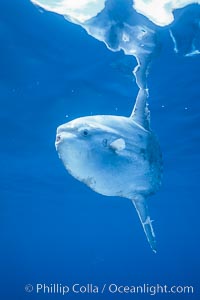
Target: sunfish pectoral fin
(143,213)
(118,145)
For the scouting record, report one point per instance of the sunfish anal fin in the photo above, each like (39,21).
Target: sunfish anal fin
(143,213)
(141,113)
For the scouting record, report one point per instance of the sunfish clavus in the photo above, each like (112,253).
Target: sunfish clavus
(115,156)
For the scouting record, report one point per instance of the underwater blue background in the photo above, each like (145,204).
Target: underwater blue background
(53,228)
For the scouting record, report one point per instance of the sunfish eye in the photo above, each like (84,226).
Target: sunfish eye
(85,132)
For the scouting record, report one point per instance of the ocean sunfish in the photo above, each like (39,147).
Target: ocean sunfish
(115,156)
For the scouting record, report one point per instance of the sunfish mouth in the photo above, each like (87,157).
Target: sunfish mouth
(61,136)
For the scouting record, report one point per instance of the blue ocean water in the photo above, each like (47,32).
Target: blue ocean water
(53,228)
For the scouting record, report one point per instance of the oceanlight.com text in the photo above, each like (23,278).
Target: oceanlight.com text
(112,288)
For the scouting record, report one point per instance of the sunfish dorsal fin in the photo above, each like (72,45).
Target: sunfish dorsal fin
(141,113)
